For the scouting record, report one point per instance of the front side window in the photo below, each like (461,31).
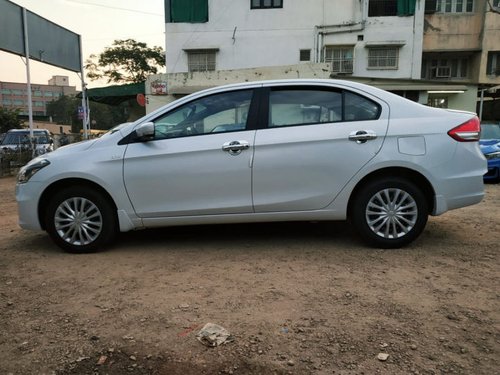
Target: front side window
(340,57)
(217,113)
(290,107)
(265,4)
(201,60)
(383,58)
(455,6)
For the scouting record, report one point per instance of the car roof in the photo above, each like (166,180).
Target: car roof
(26,130)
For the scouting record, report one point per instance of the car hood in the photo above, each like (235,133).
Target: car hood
(489,145)
(74,147)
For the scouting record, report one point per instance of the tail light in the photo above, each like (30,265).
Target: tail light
(467,132)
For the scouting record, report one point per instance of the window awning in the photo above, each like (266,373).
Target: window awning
(116,94)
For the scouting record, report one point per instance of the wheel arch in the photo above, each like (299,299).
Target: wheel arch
(65,183)
(417,178)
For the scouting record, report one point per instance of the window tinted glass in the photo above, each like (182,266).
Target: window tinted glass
(294,107)
(213,114)
(310,106)
(358,108)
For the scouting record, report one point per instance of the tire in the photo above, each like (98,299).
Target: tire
(389,213)
(80,220)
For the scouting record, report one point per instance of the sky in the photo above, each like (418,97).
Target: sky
(99,22)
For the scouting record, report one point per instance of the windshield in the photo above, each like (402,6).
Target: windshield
(20,138)
(490,131)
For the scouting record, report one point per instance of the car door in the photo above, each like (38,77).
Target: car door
(315,141)
(198,162)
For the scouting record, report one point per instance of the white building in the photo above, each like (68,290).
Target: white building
(360,37)
(213,42)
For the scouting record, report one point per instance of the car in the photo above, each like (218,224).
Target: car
(310,150)
(19,139)
(490,146)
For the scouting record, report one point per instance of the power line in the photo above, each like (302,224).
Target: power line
(111,7)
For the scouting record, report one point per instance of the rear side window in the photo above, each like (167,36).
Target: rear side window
(289,107)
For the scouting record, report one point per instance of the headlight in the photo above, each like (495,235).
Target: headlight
(493,155)
(29,170)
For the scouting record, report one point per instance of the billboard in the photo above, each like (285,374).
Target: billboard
(48,42)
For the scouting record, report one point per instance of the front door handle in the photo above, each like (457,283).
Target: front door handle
(361,136)
(235,147)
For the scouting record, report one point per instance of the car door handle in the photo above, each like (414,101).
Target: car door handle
(361,136)
(235,147)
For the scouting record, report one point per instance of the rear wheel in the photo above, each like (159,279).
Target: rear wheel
(80,220)
(389,213)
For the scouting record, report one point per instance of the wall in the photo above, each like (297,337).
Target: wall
(248,38)
(491,42)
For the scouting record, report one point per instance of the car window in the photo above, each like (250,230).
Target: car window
(217,113)
(296,107)
(18,138)
(359,108)
(490,131)
(288,107)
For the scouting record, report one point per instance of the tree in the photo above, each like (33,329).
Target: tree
(126,61)
(102,116)
(9,119)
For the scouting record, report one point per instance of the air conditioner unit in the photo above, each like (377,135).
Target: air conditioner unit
(443,72)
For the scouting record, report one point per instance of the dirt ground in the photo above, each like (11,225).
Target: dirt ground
(298,298)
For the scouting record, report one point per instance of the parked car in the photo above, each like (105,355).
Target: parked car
(19,139)
(289,150)
(490,146)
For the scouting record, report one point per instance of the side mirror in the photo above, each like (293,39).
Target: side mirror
(146,131)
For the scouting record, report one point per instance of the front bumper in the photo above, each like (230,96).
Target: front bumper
(493,173)
(28,196)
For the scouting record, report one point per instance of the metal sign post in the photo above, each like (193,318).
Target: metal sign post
(28,78)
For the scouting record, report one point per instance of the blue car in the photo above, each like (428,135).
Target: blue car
(490,146)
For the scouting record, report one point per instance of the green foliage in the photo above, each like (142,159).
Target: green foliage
(9,119)
(65,111)
(126,61)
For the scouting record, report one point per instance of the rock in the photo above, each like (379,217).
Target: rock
(94,338)
(413,347)
(184,306)
(133,358)
(290,363)
(102,360)
(382,357)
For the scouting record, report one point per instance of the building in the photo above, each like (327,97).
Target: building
(436,52)
(13,95)
(461,44)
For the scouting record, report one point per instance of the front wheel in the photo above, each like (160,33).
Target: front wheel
(389,213)
(80,220)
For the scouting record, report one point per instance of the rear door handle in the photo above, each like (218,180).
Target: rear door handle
(361,136)
(235,147)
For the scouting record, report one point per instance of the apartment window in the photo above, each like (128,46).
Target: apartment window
(340,57)
(6,91)
(201,60)
(455,6)
(38,104)
(48,94)
(383,58)
(438,102)
(6,102)
(18,102)
(493,66)
(265,4)
(191,11)
(17,92)
(445,68)
(384,8)
(305,55)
